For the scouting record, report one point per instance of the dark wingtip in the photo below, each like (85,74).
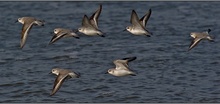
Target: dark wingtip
(100,6)
(133,10)
(22,46)
(85,16)
(133,74)
(51,94)
(148,35)
(129,58)
(77,37)
(78,75)
(189,49)
(151,33)
(102,35)
(50,43)
(209,30)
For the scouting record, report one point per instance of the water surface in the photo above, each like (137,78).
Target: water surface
(166,71)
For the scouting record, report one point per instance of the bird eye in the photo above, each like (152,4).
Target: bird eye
(110,70)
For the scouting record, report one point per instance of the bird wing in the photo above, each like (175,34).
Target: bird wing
(25,30)
(134,19)
(194,42)
(145,18)
(86,23)
(121,65)
(94,18)
(57,36)
(58,82)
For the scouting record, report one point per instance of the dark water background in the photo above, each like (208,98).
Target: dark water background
(166,71)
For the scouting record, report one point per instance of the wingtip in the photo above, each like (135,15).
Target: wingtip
(209,30)
(48,44)
(133,58)
(133,74)
(77,37)
(150,11)
(78,74)
(189,49)
(148,35)
(85,15)
(133,10)
(102,36)
(130,58)
(51,42)
(100,6)
(21,46)
(51,94)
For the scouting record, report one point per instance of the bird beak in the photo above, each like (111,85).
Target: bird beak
(50,32)
(50,73)
(106,72)
(78,75)
(75,31)
(124,29)
(16,21)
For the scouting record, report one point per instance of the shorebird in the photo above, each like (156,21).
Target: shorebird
(90,25)
(62,74)
(61,32)
(198,37)
(28,22)
(122,68)
(138,26)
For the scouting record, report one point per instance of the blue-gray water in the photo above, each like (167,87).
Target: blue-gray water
(166,71)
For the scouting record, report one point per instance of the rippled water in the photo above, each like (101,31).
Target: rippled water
(166,71)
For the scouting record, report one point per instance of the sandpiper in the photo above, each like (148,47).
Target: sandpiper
(198,37)
(122,68)
(90,25)
(28,22)
(61,32)
(62,74)
(138,26)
